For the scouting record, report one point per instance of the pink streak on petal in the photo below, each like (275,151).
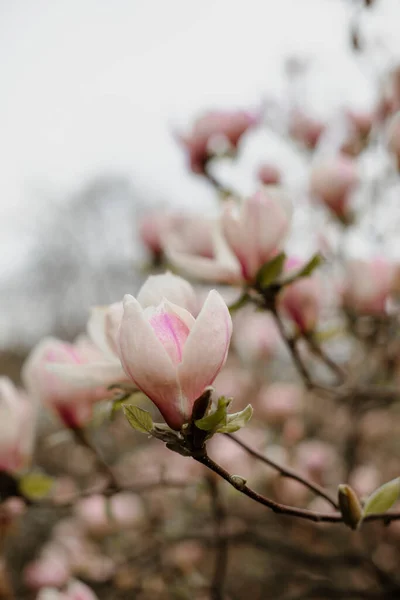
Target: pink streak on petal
(172,333)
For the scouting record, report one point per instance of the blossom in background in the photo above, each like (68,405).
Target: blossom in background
(171,356)
(255,336)
(52,374)
(245,238)
(269,174)
(301,300)
(17,427)
(305,129)
(367,285)
(76,590)
(332,182)
(228,126)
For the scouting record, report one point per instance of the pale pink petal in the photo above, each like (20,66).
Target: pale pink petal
(206,348)
(203,268)
(171,325)
(147,363)
(234,234)
(89,375)
(174,288)
(96,328)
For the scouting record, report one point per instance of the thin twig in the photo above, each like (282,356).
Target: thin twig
(292,347)
(239,484)
(286,471)
(82,439)
(319,352)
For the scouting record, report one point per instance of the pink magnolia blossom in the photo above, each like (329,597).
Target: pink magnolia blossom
(171,356)
(229,125)
(301,300)
(244,239)
(152,228)
(268,174)
(367,285)
(95,516)
(255,336)
(277,402)
(50,374)
(17,427)
(305,129)
(332,182)
(360,125)
(76,590)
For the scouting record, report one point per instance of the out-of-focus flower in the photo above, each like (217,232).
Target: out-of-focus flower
(52,374)
(301,300)
(360,124)
(332,182)
(367,285)
(268,174)
(17,427)
(305,129)
(316,458)
(393,137)
(153,226)
(171,356)
(228,126)
(278,402)
(245,238)
(255,336)
(124,510)
(76,590)
(50,569)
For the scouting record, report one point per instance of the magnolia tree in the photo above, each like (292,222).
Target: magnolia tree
(229,430)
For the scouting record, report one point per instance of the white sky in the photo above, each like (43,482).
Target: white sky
(90,86)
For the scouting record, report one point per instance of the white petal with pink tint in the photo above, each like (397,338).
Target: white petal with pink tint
(206,348)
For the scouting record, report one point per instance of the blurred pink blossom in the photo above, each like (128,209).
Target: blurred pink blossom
(301,300)
(245,238)
(17,427)
(226,125)
(332,182)
(367,285)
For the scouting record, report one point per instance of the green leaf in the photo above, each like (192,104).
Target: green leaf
(138,418)
(270,271)
(236,421)
(304,271)
(35,485)
(383,498)
(240,302)
(219,417)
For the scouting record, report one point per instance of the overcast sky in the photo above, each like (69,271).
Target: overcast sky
(92,86)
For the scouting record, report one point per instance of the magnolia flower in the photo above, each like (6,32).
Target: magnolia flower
(305,129)
(171,356)
(268,174)
(69,378)
(152,228)
(244,239)
(368,285)
(215,125)
(255,336)
(301,300)
(101,516)
(333,181)
(17,427)
(76,590)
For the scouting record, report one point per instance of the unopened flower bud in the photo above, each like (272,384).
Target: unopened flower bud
(349,505)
